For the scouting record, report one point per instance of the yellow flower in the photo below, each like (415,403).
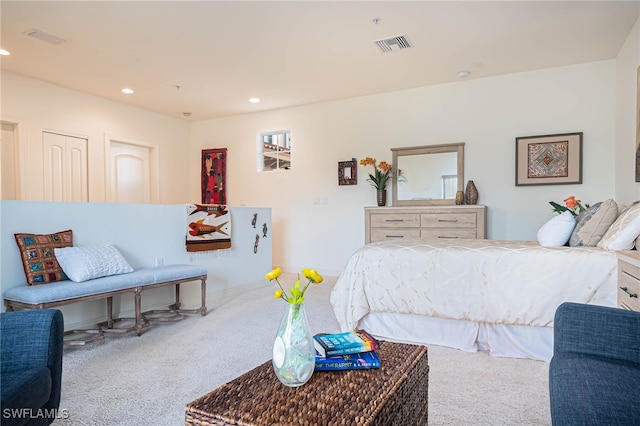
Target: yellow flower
(275,273)
(312,275)
(297,291)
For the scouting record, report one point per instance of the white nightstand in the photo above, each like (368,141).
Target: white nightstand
(629,280)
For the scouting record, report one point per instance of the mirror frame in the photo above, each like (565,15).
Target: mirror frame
(458,148)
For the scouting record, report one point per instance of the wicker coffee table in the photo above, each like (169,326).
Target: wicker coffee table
(396,394)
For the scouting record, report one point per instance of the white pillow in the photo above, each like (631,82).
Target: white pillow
(86,263)
(555,232)
(624,231)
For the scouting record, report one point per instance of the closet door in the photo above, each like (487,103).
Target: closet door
(130,173)
(65,167)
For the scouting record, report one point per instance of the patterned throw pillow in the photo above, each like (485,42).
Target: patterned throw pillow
(593,223)
(38,258)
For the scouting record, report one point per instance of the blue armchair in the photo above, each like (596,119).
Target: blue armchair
(31,345)
(594,375)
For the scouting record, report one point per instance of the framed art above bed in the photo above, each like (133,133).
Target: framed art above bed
(549,159)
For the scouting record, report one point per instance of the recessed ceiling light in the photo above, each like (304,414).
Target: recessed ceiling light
(463,74)
(254,100)
(4,52)
(127,91)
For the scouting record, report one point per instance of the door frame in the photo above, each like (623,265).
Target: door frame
(18,154)
(154,177)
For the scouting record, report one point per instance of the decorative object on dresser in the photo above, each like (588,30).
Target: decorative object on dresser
(629,280)
(379,179)
(437,222)
(432,174)
(549,159)
(471,194)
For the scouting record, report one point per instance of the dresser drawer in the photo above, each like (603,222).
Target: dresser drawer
(448,220)
(628,289)
(443,233)
(397,220)
(394,234)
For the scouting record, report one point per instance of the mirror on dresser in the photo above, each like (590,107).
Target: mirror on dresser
(428,175)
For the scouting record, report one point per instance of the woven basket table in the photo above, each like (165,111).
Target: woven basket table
(395,394)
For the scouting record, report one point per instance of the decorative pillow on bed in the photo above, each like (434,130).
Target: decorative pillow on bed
(87,263)
(38,259)
(556,232)
(593,223)
(624,231)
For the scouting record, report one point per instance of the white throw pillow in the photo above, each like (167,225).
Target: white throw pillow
(624,231)
(555,232)
(86,263)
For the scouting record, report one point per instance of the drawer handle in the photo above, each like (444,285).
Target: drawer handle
(447,220)
(394,236)
(627,291)
(394,220)
(444,236)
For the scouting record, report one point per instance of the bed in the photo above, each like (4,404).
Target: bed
(498,296)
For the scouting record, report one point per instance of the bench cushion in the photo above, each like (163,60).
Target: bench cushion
(64,290)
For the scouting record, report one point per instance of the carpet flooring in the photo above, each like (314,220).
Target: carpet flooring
(148,379)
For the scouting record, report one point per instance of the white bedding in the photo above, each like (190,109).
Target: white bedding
(489,282)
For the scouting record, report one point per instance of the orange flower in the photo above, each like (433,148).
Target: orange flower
(571,202)
(368,161)
(384,166)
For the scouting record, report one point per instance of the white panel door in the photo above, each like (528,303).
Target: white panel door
(8,163)
(65,168)
(130,173)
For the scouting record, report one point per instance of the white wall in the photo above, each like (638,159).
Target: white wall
(487,114)
(37,106)
(627,62)
(142,233)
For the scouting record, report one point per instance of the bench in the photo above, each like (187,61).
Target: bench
(65,292)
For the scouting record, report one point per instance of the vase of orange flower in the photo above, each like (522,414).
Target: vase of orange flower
(571,204)
(379,179)
(293,351)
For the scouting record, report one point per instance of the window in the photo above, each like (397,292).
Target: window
(274,151)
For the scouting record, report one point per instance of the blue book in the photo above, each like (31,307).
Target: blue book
(359,361)
(349,342)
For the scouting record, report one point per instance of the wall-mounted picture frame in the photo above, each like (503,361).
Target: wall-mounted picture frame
(549,159)
(213,176)
(348,172)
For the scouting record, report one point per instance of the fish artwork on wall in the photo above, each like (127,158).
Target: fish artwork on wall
(208,227)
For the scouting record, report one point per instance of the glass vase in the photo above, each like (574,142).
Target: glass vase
(293,352)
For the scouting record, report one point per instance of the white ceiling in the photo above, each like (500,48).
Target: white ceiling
(289,53)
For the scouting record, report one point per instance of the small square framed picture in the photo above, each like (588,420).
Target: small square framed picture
(348,172)
(549,159)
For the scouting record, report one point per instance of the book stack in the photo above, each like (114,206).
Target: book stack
(351,350)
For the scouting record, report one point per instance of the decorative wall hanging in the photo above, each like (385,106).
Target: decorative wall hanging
(549,159)
(208,227)
(348,172)
(213,172)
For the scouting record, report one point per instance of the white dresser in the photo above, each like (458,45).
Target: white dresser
(428,222)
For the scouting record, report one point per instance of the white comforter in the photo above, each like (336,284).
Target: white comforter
(488,281)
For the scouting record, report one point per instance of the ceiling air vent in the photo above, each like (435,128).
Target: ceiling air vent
(393,44)
(41,35)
